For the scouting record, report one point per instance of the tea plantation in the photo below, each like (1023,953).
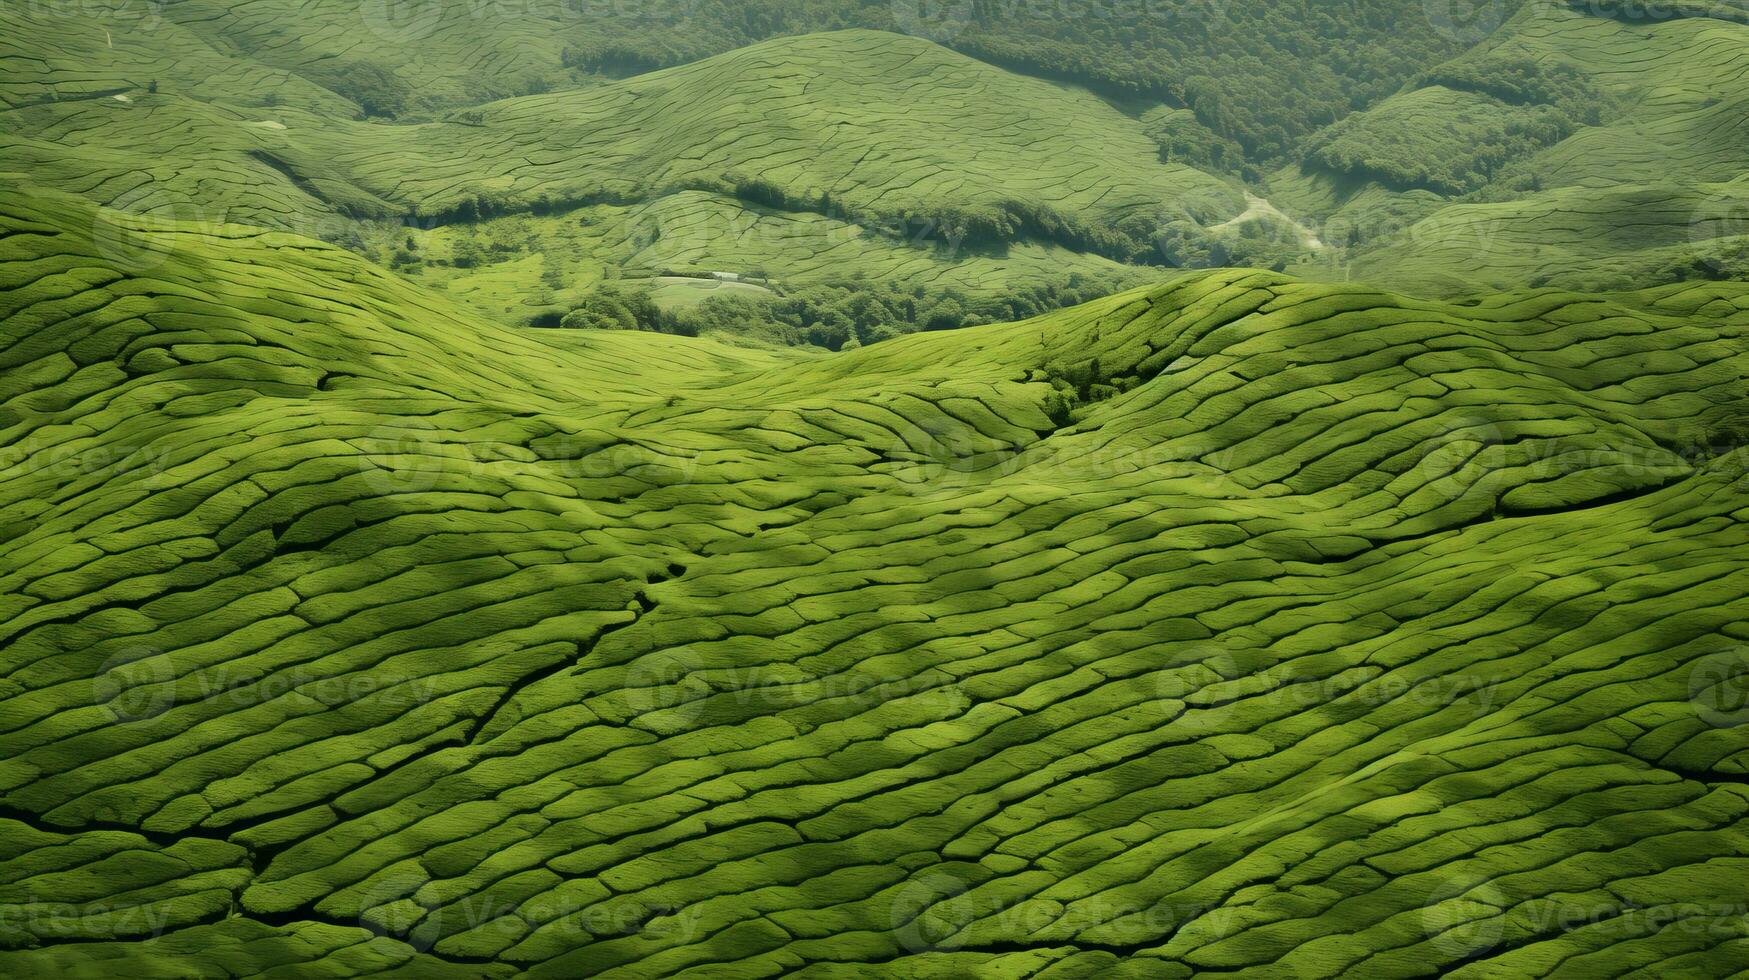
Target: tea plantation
(1240,625)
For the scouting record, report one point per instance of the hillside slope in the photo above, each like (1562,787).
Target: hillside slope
(1574,147)
(1241,625)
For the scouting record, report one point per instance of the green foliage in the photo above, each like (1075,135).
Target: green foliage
(829,315)
(466,254)
(1183,138)
(1658,11)
(1438,139)
(377,90)
(1520,81)
(617,307)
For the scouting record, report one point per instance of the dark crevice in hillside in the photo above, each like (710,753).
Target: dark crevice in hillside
(981,229)
(42,824)
(1120,950)
(988,229)
(147,931)
(1363,175)
(1496,513)
(1707,777)
(108,93)
(1599,918)
(138,603)
(1491,951)
(283,547)
(1619,497)
(297,179)
(285,920)
(8,233)
(1639,12)
(644,606)
(262,856)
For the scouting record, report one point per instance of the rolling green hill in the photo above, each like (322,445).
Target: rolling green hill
(1240,625)
(1244,70)
(1263,75)
(826,156)
(860,117)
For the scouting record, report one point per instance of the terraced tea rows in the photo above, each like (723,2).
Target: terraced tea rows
(1237,625)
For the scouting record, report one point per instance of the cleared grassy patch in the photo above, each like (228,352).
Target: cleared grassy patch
(1575,149)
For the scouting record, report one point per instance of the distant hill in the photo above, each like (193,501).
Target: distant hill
(863,119)
(1253,73)
(827,157)
(854,153)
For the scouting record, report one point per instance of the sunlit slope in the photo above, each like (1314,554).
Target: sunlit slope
(1243,624)
(877,122)
(808,158)
(1573,148)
